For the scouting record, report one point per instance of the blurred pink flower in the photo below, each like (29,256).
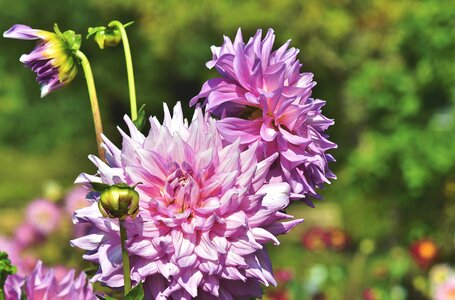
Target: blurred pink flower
(283,275)
(446,291)
(44,215)
(205,213)
(75,199)
(42,284)
(24,264)
(27,235)
(262,97)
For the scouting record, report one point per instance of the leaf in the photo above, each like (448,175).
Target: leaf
(140,120)
(136,294)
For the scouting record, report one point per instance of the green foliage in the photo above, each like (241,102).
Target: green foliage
(136,294)
(5,269)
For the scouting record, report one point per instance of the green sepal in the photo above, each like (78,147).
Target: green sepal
(57,30)
(93,30)
(99,187)
(128,24)
(136,294)
(140,120)
(72,39)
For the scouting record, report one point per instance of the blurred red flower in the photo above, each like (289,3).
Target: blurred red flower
(314,239)
(424,252)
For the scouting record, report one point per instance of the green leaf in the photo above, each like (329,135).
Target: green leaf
(136,294)
(140,120)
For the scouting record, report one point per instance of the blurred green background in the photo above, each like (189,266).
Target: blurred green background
(386,69)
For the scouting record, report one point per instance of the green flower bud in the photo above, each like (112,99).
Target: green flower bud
(105,37)
(119,201)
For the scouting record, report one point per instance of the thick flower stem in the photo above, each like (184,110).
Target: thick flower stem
(93,101)
(129,67)
(2,294)
(125,258)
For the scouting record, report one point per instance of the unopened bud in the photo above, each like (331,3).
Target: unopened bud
(119,202)
(105,36)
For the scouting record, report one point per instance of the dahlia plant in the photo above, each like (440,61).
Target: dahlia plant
(185,211)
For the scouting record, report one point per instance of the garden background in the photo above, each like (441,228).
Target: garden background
(386,69)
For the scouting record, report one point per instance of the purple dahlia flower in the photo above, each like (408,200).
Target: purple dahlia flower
(43,284)
(205,213)
(262,97)
(51,59)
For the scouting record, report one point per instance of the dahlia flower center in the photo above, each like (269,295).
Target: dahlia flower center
(180,190)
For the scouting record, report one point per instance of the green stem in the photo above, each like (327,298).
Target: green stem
(2,294)
(129,67)
(93,101)
(125,258)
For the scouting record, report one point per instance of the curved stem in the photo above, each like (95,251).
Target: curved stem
(93,101)
(125,258)
(129,67)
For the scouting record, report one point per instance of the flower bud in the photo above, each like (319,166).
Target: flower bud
(105,37)
(119,201)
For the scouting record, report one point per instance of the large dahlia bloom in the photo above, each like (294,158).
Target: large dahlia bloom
(205,213)
(262,97)
(43,284)
(52,58)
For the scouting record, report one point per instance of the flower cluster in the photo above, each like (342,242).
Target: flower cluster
(49,284)
(211,193)
(205,213)
(261,97)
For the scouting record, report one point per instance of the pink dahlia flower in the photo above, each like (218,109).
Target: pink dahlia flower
(205,213)
(42,284)
(44,215)
(262,97)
